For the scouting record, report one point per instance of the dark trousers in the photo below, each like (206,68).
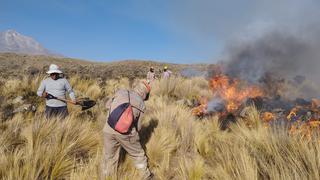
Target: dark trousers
(53,112)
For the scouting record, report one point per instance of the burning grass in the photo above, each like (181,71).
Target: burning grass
(179,144)
(233,91)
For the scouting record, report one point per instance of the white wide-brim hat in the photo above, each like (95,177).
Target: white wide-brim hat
(54,69)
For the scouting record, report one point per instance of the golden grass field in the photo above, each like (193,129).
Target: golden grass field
(178,145)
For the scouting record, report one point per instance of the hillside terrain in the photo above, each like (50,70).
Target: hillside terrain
(182,138)
(18,65)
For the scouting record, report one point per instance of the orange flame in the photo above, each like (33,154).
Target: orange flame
(305,125)
(267,117)
(202,108)
(233,91)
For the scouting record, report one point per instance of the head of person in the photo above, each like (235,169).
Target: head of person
(142,88)
(165,68)
(151,69)
(54,71)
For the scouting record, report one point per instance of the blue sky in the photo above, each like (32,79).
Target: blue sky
(179,31)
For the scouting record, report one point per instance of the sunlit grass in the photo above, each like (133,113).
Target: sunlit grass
(178,145)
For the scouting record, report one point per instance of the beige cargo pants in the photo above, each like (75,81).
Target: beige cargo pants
(130,143)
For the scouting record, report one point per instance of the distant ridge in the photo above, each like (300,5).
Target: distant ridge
(20,65)
(14,42)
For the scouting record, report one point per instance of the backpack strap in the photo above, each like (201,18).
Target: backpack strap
(129,103)
(129,97)
(137,109)
(110,106)
(133,105)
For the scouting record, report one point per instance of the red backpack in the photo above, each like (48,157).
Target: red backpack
(121,118)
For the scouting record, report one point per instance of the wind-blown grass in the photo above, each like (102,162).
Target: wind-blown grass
(45,149)
(178,145)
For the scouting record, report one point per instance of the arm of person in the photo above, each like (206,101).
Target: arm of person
(139,122)
(41,90)
(140,116)
(70,91)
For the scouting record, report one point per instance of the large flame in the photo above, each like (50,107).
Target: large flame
(233,91)
(304,120)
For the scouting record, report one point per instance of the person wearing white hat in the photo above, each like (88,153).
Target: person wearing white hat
(55,87)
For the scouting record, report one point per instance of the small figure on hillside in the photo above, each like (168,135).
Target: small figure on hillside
(53,89)
(151,76)
(166,73)
(122,130)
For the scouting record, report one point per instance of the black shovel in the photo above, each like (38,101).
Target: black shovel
(85,103)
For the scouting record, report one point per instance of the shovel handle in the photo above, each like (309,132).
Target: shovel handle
(67,101)
(60,99)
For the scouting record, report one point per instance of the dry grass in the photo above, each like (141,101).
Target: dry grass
(45,150)
(179,146)
(20,65)
(181,88)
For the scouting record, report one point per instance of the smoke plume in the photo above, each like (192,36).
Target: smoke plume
(277,55)
(283,51)
(275,52)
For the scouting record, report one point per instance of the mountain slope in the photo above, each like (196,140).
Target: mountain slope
(12,64)
(12,41)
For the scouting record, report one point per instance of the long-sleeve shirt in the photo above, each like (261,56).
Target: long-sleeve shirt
(151,76)
(57,88)
(166,74)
